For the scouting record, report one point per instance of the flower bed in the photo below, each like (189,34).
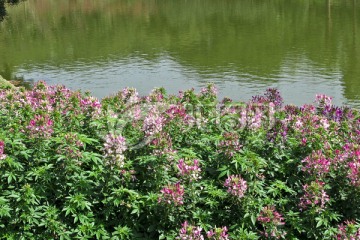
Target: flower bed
(176,167)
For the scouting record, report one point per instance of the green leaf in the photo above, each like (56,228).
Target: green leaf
(253,219)
(319,222)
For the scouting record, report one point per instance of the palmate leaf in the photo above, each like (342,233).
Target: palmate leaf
(5,209)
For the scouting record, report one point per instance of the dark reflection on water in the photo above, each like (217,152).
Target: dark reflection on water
(301,47)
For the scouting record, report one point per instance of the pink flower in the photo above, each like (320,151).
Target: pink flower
(129,95)
(252,115)
(176,111)
(153,123)
(2,146)
(190,170)
(172,194)
(316,164)
(189,232)
(236,185)
(218,234)
(269,215)
(314,196)
(354,172)
(348,231)
(230,144)
(323,100)
(156,95)
(114,147)
(40,126)
(210,89)
(271,219)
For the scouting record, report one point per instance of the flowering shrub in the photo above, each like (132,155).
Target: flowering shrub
(176,167)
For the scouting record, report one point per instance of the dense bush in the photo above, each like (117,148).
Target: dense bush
(176,167)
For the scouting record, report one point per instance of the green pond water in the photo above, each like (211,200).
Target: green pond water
(301,47)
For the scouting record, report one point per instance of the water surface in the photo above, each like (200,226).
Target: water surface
(302,47)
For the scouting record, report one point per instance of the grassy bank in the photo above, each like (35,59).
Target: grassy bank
(4,84)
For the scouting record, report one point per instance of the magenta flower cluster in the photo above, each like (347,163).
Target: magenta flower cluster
(354,168)
(316,164)
(2,147)
(114,148)
(271,219)
(269,215)
(189,169)
(129,96)
(314,196)
(190,232)
(218,234)
(172,194)
(176,111)
(162,145)
(322,100)
(41,126)
(210,89)
(251,116)
(236,185)
(348,230)
(71,146)
(153,122)
(230,144)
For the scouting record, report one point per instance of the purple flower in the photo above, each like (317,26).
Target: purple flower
(172,194)
(314,196)
(348,230)
(272,95)
(236,185)
(40,127)
(129,95)
(354,169)
(322,100)
(189,232)
(308,108)
(316,164)
(271,220)
(2,147)
(269,215)
(230,144)
(153,123)
(210,89)
(114,148)
(218,234)
(189,169)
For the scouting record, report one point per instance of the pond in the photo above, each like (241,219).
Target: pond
(301,47)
